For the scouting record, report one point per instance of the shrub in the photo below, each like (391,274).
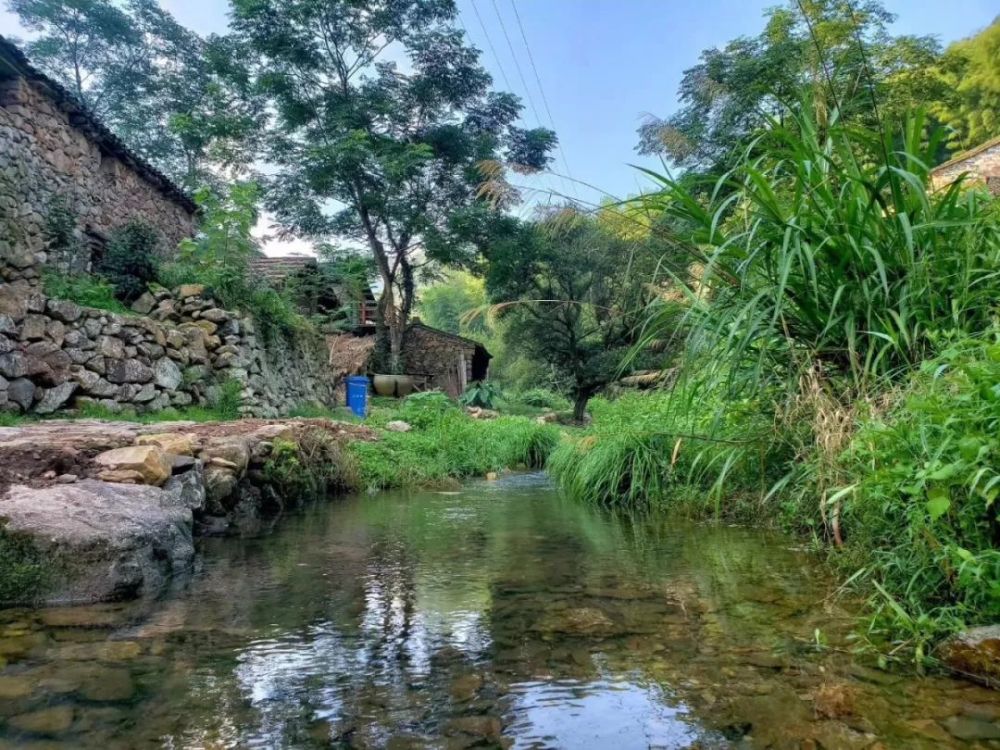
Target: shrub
(130,262)
(482,394)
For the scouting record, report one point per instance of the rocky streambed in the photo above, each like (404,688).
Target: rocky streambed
(95,511)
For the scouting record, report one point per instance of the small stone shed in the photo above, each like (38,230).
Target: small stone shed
(442,360)
(53,152)
(981,164)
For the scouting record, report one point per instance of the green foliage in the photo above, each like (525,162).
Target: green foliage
(130,260)
(970,99)
(810,255)
(24,570)
(920,510)
(219,257)
(398,155)
(84,289)
(452,303)
(481,393)
(230,399)
(541,398)
(842,52)
(308,469)
(446,444)
(642,450)
(573,295)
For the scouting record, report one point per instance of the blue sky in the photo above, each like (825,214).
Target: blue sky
(605,63)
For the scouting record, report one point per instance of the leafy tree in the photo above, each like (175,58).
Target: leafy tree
(841,51)
(177,99)
(574,295)
(970,74)
(382,116)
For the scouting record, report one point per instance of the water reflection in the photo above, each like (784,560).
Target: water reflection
(501,616)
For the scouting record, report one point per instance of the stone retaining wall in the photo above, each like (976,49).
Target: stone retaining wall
(179,349)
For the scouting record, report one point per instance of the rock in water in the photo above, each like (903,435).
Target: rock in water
(975,652)
(105,541)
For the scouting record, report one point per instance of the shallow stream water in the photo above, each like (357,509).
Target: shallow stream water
(498,616)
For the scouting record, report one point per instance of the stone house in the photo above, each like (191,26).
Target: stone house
(442,360)
(980,164)
(436,359)
(54,152)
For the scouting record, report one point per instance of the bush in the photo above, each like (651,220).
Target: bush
(920,513)
(482,394)
(542,398)
(129,261)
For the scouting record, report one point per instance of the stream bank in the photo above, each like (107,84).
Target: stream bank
(103,511)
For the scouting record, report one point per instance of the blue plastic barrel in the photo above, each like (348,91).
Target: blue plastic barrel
(357,395)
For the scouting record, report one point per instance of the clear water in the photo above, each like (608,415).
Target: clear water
(498,616)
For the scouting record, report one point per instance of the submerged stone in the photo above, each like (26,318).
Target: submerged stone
(55,720)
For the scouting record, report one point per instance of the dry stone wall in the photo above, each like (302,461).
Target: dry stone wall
(178,350)
(44,158)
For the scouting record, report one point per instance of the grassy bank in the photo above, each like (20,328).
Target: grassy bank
(839,374)
(445,444)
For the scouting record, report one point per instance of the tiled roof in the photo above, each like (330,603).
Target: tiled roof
(11,58)
(276,270)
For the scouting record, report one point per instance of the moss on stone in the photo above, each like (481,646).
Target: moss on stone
(24,572)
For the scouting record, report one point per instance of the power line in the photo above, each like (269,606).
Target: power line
(541,89)
(489,43)
(517,65)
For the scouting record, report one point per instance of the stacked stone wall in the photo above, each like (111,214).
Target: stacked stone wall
(45,159)
(179,349)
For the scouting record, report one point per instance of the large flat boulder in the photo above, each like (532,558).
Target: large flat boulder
(105,541)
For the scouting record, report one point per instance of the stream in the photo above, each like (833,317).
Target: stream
(501,615)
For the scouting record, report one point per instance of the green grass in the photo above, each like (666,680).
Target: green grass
(446,444)
(24,570)
(84,289)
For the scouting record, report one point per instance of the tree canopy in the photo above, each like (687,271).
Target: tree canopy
(382,118)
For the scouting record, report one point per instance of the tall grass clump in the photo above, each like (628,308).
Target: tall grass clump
(444,443)
(640,451)
(828,244)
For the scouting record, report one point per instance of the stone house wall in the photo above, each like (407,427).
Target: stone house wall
(441,360)
(178,351)
(50,151)
(982,165)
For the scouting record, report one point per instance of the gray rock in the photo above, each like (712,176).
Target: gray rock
(78,356)
(56,330)
(145,304)
(74,338)
(215,315)
(976,652)
(64,310)
(21,392)
(98,364)
(110,346)
(33,327)
(965,728)
(92,327)
(167,375)
(128,371)
(146,393)
(6,345)
(187,490)
(398,425)
(106,541)
(20,364)
(53,398)
(7,325)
